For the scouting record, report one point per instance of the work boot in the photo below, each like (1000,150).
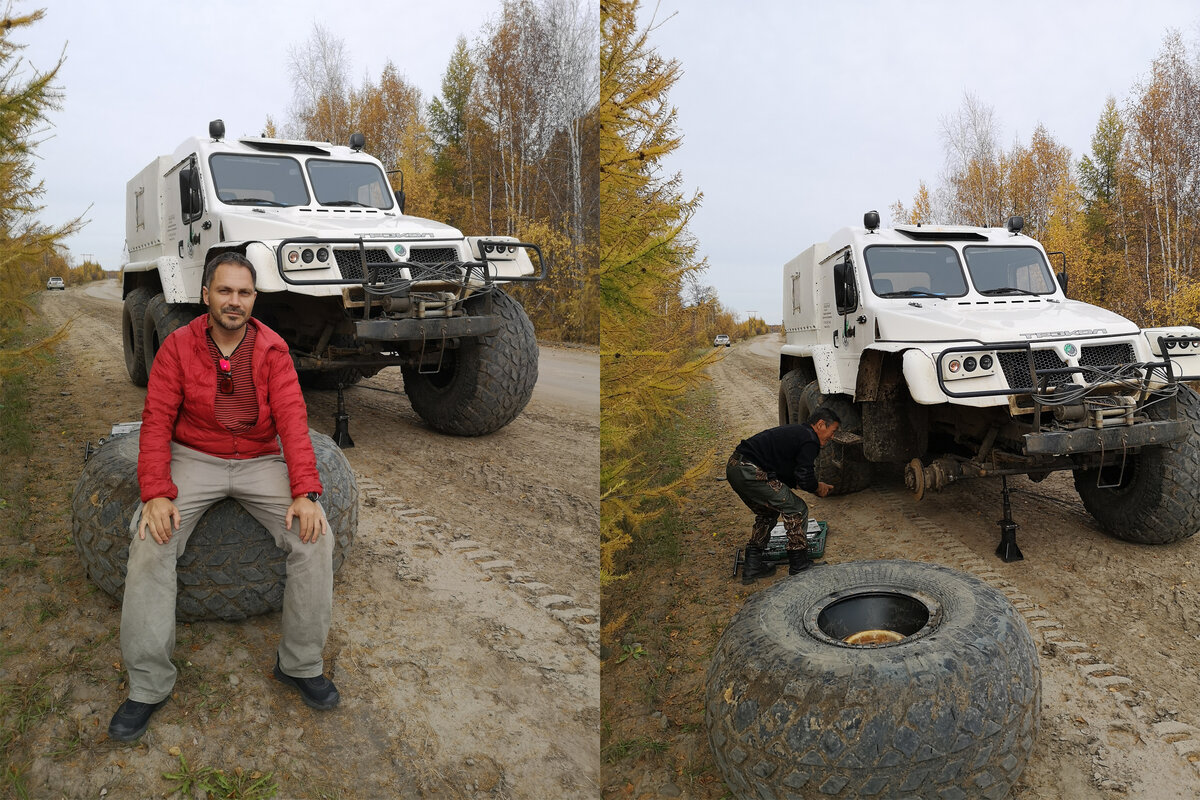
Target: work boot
(318,692)
(798,561)
(755,567)
(131,719)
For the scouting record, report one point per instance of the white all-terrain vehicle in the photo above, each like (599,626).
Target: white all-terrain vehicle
(955,351)
(350,282)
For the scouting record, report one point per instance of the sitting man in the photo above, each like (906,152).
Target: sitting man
(763,470)
(222,388)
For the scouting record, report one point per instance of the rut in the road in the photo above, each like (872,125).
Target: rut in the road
(581,622)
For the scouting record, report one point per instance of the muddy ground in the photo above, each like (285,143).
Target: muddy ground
(1117,624)
(465,629)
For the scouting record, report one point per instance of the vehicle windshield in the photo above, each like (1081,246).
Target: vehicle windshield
(349,183)
(258,180)
(915,271)
(998,271)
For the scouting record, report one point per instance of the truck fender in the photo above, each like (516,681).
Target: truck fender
(921,378)
(170,274)
(824,359)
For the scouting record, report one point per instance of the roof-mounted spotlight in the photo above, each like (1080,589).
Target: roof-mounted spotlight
(1015,224)
(871,220)
(216,129)
(357,141)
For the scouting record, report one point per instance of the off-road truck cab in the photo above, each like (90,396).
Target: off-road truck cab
(955,351)
(350,281)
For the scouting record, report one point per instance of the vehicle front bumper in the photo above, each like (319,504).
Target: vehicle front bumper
(1096,440)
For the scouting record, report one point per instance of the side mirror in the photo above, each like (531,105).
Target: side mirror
(843,287)
(189,193)
(1062,280)
(399,199)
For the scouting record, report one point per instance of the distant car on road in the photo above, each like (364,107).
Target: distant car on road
(721,339)
(56,283)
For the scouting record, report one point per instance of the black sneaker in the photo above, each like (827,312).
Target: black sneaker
(131,719)
(318,692)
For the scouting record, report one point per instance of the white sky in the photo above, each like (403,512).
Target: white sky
(800,115)
(143,75)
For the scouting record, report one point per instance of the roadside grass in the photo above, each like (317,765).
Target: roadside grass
(640,673)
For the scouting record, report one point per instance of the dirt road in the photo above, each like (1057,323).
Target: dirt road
(1117,624)
(465,631)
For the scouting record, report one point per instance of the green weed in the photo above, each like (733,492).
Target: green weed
(634,748)
(217,784)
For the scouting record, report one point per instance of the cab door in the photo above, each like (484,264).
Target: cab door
(852,325)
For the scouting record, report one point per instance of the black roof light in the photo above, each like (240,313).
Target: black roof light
(1014,224)
(216,129)
(357,141)
(871,220)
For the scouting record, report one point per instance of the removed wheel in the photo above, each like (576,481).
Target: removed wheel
(1151,498)
(231,568)
(880,679)
(485,383)
(133,319)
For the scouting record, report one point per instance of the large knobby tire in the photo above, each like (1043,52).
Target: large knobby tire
(485,383)
(843,466)
(1155,495)
(950,710)
(231,568)
(160,321)
(133,319)
(791,387)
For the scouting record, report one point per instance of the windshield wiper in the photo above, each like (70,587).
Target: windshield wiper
(1007,290)
(345,203)
(912,293)
(253,201)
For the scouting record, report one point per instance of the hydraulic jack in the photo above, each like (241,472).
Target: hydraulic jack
(1008,550)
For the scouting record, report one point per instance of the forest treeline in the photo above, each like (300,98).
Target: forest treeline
(1126,213)
(508,146)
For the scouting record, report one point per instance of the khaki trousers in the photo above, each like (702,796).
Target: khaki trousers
(148,609)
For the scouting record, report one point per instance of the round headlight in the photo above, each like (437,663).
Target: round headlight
(954,365)
(307,255)
(969,363)
(512,249)
(293,257)
(488,248)
(985,362)
(322,255)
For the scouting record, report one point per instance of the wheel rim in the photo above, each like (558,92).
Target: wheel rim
(873,617)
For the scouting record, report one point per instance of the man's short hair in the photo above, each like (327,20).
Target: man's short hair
(827,414)
(228,257)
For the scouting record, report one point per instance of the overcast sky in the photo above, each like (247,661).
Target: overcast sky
(797,117)
(143,75)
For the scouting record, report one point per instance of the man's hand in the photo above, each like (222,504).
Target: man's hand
(312,521)
(162,518)
(823,489)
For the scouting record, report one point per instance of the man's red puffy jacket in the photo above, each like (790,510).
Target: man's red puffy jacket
(180,405)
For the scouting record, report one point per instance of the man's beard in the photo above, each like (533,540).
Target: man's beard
(219,319)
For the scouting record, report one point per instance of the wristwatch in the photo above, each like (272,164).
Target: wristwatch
(313,496)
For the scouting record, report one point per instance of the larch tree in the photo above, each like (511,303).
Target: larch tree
(27,245)
(645,255)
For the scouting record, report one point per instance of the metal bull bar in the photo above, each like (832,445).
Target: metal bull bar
(1051,443)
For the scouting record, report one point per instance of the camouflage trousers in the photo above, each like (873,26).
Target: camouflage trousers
(769,499)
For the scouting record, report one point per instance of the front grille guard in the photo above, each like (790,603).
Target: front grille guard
(485,268)
(372,285)
(1040,378)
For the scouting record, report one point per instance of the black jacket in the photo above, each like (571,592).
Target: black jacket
(786,453)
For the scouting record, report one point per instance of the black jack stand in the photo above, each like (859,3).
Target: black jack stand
(1008,550)
(341,423)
